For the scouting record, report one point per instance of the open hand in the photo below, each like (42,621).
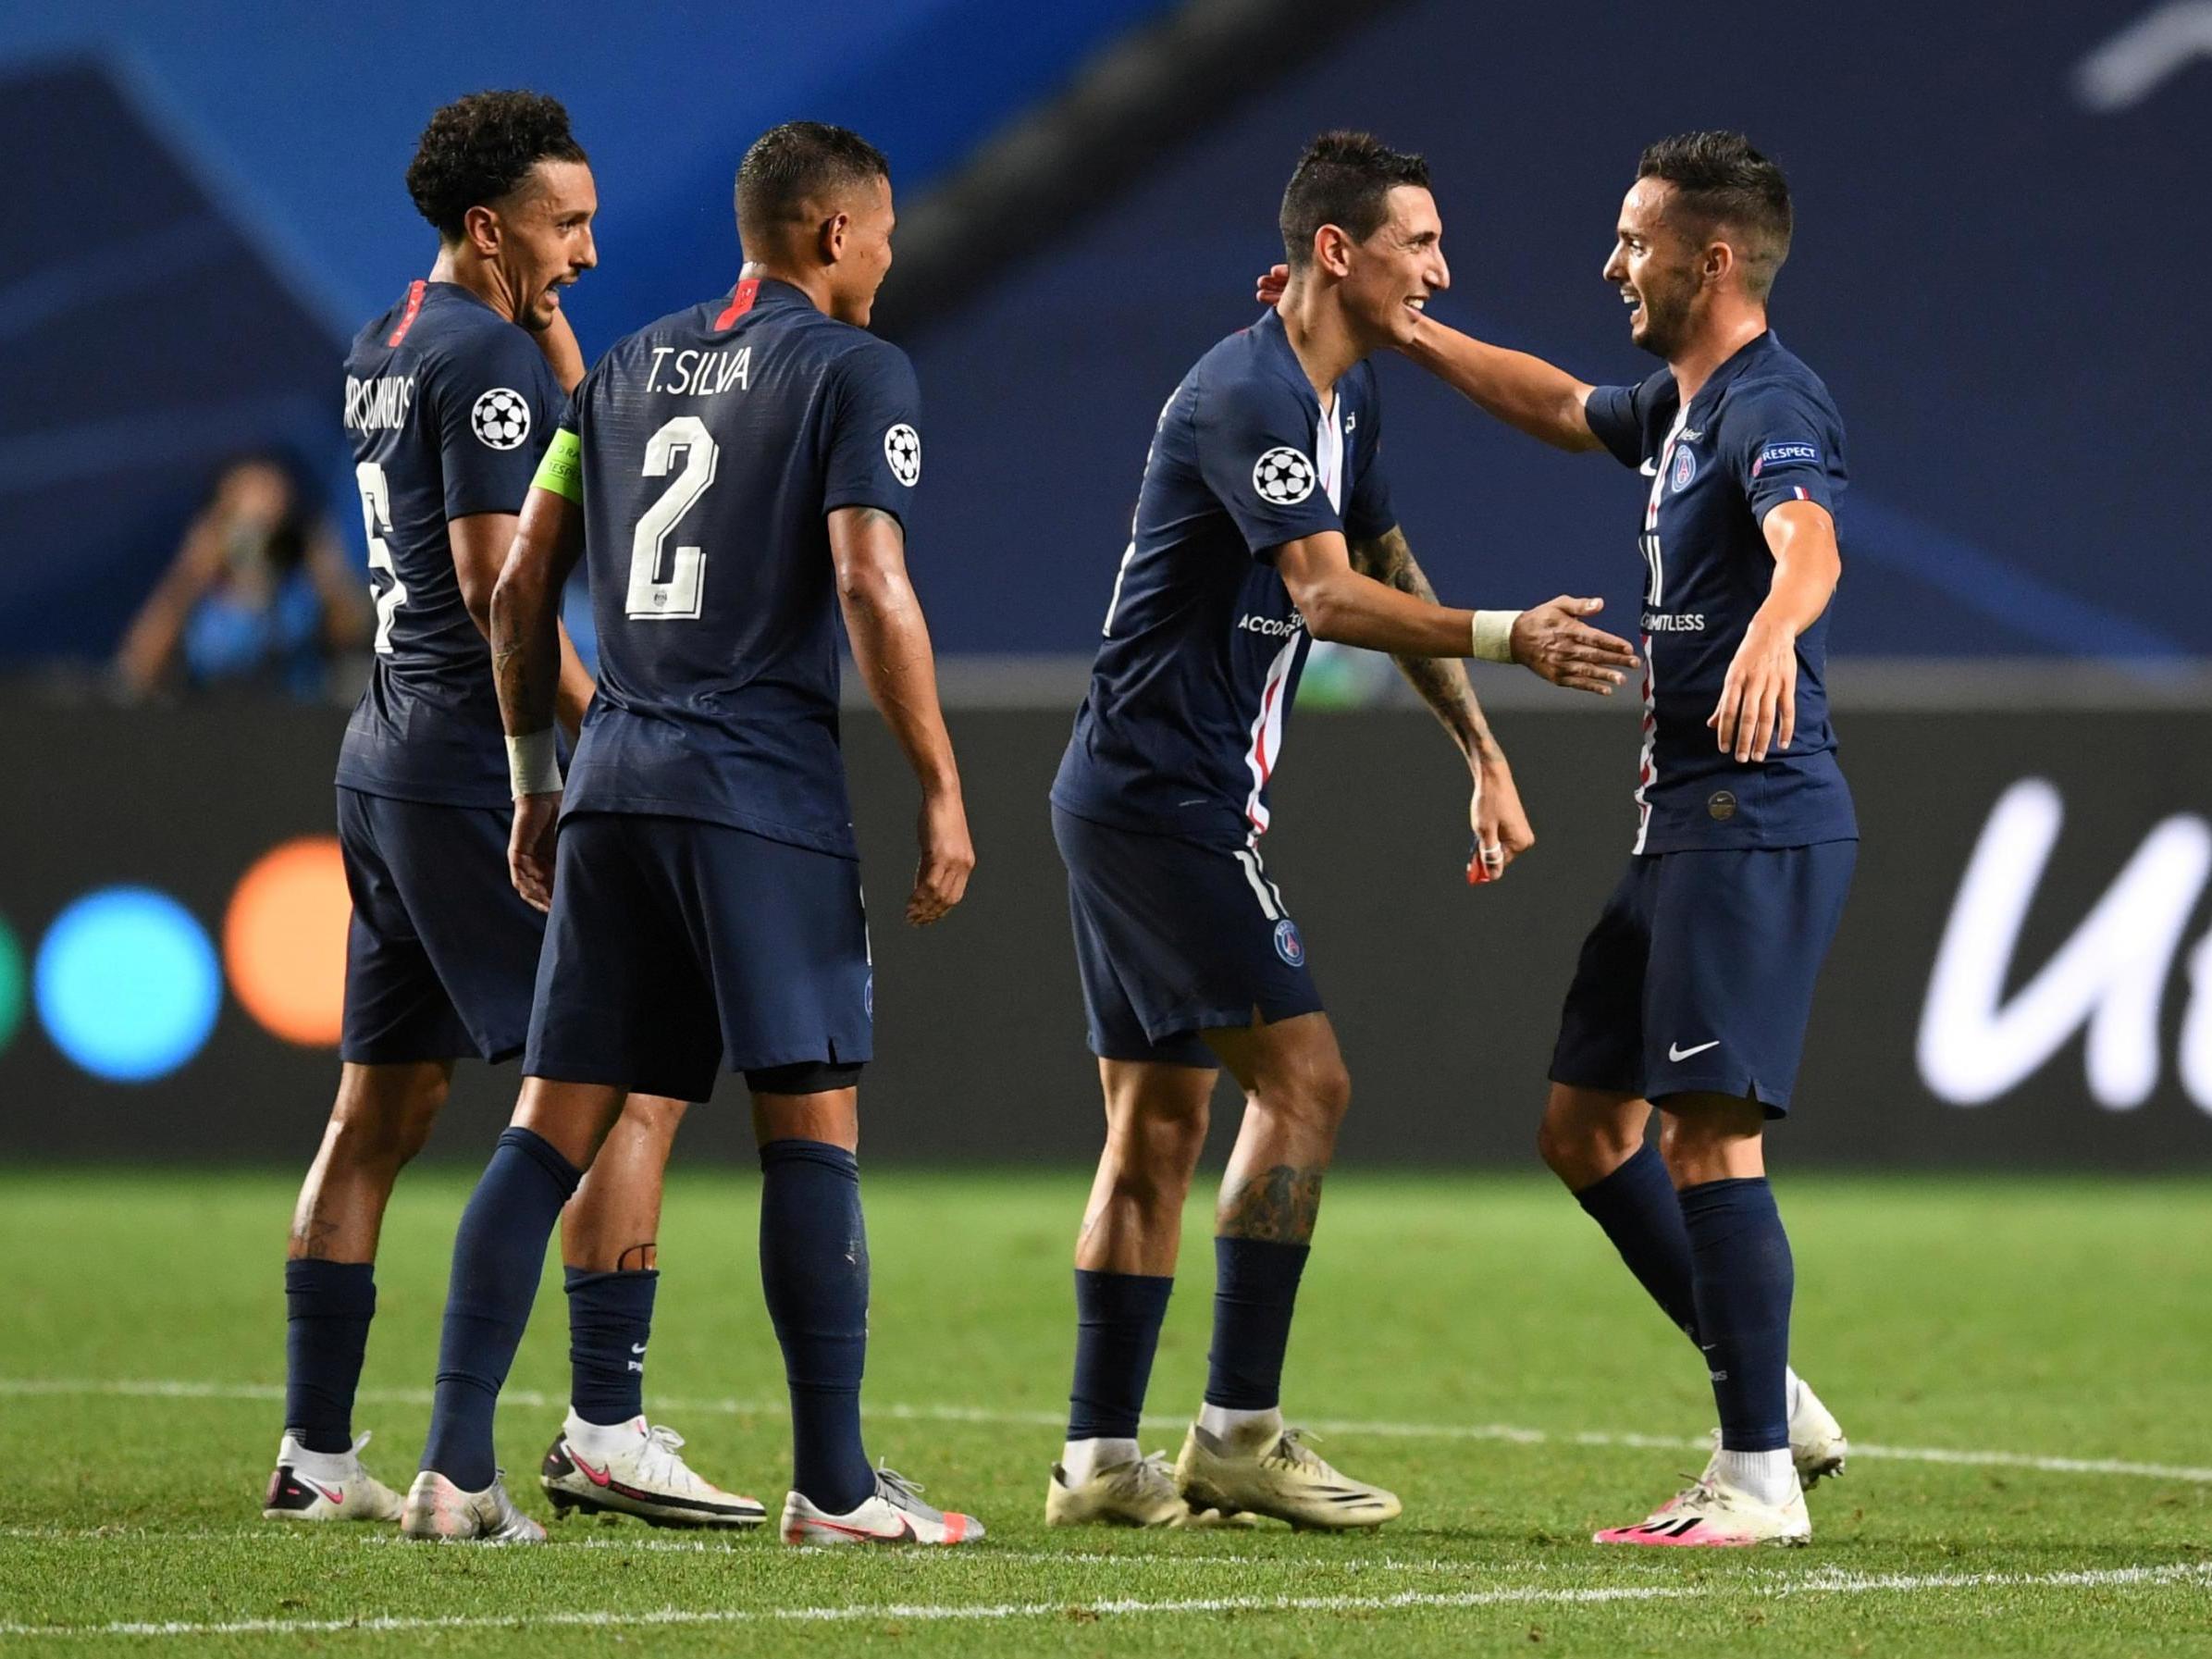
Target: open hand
(1758,699)
(1272,284)
(1551,641)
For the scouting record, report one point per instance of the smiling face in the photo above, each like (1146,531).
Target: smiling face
(1660,272)
(542,234)
(1387,279)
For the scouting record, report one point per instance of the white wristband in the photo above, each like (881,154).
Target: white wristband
(1494,636)
(533,766)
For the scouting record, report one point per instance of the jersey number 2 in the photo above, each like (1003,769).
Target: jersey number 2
(654,597)
(375,518)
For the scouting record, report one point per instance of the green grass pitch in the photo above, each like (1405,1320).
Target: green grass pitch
(1468,1341)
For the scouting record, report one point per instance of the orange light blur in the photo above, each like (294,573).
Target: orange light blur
(284,940)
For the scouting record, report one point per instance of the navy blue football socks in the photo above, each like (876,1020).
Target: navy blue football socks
(610,1321)
(1117,1320)
(1255,1291)
(1744,1277)
(328,1306)
(498,1256)
(1641,1215)
(814,1270)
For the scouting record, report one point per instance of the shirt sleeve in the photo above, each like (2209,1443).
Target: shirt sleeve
(1369,513)
(1782,444)
(875,431)
(496,408)
(1618,414)
(1255,452)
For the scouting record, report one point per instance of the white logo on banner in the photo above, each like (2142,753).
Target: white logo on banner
(2110,976)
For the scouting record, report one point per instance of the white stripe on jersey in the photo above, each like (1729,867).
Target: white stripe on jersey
(1655,585)
(1266,745)
(1266,748)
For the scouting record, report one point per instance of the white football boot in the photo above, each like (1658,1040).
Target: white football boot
(1817,1445)
(442,1512)
(635,1469)
(1712,1513)
(1268,1469)
(326,1486)
(1817,1449)
(893,1512)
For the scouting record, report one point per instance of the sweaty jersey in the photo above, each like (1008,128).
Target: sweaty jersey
(1183,726)
(448,407)
(714,444)
(1762,431)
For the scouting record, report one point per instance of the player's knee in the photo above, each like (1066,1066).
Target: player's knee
(1319,1096)
(1158,1154)
(383,1122)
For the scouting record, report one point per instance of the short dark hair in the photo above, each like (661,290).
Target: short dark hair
(479,149)
(797,163)
(1720,180)
(1344,179)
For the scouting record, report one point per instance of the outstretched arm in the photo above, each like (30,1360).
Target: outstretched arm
(1352,607)
(1521,390)
(891,647)
(525,666)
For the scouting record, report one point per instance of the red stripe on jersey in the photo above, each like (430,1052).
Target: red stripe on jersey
(741,302)
(415,305)
(1803,495)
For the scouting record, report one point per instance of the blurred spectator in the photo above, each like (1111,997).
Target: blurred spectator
(260,593)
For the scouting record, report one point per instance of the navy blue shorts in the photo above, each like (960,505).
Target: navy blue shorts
(675,943)
(441,951)
(1174,936)
(1697,978)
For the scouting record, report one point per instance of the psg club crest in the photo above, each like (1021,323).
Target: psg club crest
(1686,468)
(1288,945)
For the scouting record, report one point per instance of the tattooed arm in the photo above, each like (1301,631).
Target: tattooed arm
(1501,826)
(526,666)
(1441,681)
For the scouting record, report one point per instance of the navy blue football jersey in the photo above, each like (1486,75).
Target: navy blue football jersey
(1762,431)
(448,407)
(714,445)
(1183,726)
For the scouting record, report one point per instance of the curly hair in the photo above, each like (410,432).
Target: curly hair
(1720,180)
(1344,179)
(479,149)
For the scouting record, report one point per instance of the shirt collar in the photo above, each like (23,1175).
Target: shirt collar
(1751,351)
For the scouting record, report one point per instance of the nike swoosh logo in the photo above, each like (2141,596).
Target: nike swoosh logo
(335,1494)
(637,1348)
(1682,1053)
(597,1477)
(905,1530)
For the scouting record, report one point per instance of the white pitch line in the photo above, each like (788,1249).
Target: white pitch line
(1501,1433)
(1819,1583)
(735,1542)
